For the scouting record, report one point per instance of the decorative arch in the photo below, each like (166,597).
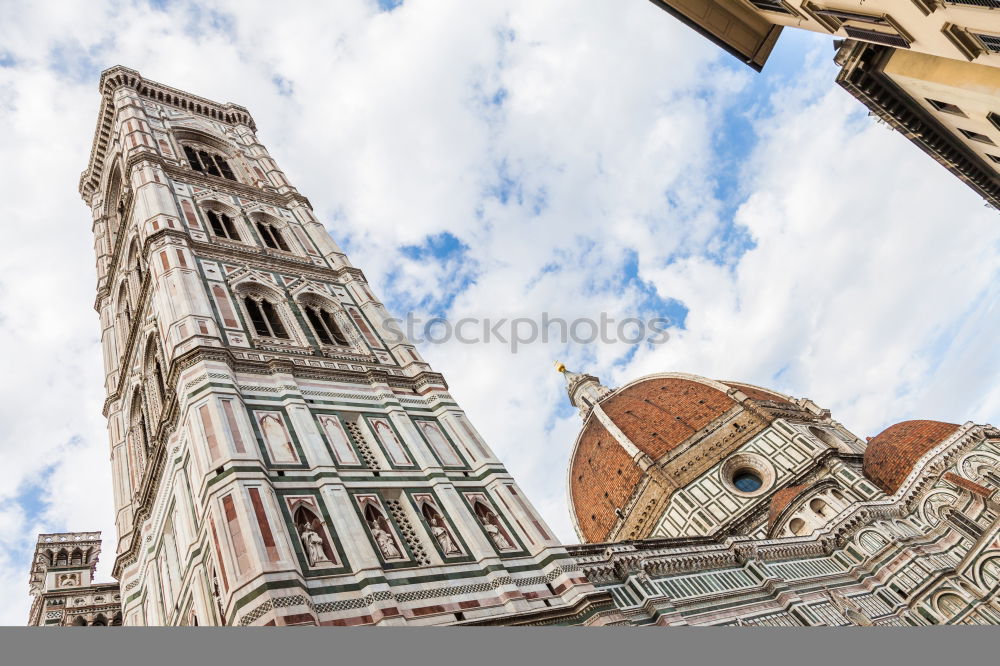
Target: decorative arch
(154,377)
(138,437)
(930,508)
(123,309)
(975,465)
(79,621)
(133,259)
(819,506)
(987,574)
(797,526)
(114,208)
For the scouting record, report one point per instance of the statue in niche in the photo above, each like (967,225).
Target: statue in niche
(217,595)
(440,533)
(489,521)
(386,542)
(313,544)
(310,534)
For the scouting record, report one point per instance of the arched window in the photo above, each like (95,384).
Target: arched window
(222,225)
(80,621)
(124,311)
(99,621)
(797,526)
(62,558)
(157,390)
(115,207)
(950,605)
(76,557)
(872,541)
(324,325)
(133,266)
(210,163)
(264,317)
(837,495)
(990,572)
(272,236)
(138,440)
(158,373)
(819,507)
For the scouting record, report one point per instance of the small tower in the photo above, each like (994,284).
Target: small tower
(584,390)
(62,582)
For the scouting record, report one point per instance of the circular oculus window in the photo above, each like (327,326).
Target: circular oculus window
(747,480)
(747,474)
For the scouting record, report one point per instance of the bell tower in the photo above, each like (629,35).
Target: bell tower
(281,454)
(63,587)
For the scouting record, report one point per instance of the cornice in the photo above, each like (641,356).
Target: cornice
(122,77)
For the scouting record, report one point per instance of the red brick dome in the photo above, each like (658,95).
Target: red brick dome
(891,454)
(657,414)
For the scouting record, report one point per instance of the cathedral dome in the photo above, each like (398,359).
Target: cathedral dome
(654,416)
(891,454)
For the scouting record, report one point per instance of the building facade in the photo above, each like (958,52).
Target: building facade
(930,69)
(966,30)
(720,503)
(280,454)
(948,108)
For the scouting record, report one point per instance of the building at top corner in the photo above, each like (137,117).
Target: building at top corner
(62,583)
(710,502)
(929,69)
(280,456)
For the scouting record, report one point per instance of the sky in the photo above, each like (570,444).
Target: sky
(496,160)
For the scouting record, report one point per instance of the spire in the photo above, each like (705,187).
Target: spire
(584,390)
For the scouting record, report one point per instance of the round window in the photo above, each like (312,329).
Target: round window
(747,480)
(747,474)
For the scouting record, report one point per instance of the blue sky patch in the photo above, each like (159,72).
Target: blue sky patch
(284,86)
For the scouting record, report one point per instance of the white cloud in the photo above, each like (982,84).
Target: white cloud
(871,286)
